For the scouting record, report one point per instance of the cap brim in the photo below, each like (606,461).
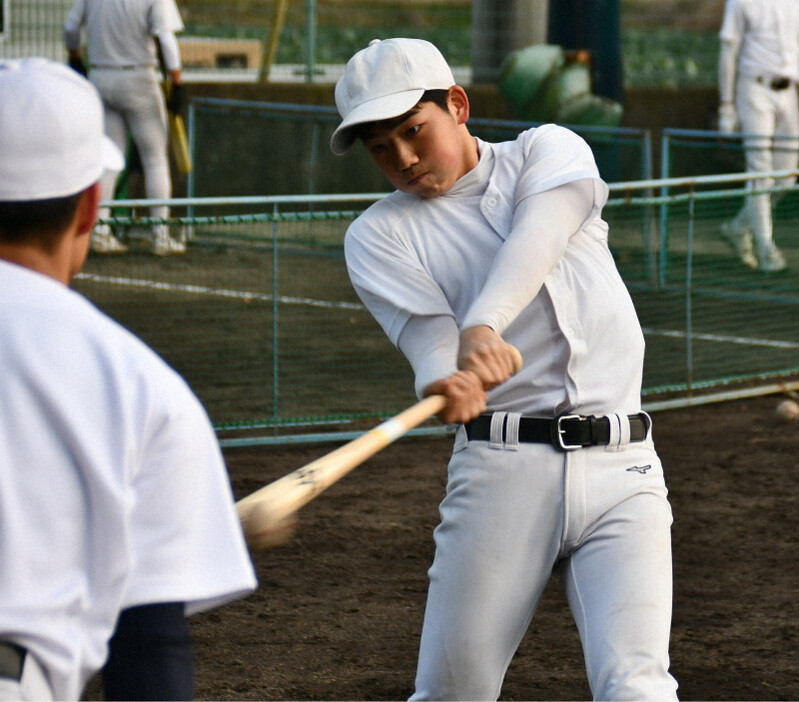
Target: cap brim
(113,160)
(376,110)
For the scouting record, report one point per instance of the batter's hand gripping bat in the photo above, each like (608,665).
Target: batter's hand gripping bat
(277,501)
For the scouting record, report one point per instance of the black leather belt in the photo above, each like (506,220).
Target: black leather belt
(775,83)
(565,433)
(12,657)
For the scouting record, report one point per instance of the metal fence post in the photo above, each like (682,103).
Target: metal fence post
(664,208)
(310,58)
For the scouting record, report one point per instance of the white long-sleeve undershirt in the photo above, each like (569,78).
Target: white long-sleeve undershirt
(542,226)
(170,51)
(543,223)
(728,60)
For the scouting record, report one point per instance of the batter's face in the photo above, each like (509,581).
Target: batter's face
(425,151)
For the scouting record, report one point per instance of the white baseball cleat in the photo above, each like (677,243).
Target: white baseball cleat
(741,242)
(164,245)
(103,241)
(773,261)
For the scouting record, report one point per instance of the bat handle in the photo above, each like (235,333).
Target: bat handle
(517,358)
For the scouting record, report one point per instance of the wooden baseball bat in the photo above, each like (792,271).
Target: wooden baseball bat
(276,501)
(179,141)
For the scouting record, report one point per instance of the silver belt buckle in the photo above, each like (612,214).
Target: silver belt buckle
(560,432)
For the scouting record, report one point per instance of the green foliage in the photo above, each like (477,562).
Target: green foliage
(337,44)
(670,57)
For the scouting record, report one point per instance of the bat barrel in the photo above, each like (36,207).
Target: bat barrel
(296,489)
(263,508)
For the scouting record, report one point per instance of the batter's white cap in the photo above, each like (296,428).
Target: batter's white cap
(384,80)
(52,138)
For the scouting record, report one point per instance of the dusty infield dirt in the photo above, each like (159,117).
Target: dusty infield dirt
(339,609)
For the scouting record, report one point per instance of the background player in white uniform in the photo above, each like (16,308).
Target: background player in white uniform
(758,72)
(114,498)
(481,246)
(123,61)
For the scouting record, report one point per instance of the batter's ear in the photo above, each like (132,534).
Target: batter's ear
(459,103)
(78,239)
(86,214)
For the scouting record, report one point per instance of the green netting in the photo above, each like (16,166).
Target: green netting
(743,320)
(259,317)
(709,320)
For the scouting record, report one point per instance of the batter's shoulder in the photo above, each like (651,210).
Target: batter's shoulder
(551,135)
(546,137)
(386,214)
(548,145)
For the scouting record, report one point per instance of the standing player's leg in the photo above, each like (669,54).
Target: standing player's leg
(148,126)
(103,240)
(786,145)
(758,109)
(786,152)
(739,231)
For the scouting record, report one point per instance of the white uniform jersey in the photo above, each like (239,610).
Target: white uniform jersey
(113,490)
(411,257)
(765,34)
(119,32)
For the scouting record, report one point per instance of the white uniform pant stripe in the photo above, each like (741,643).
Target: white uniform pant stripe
(619,431)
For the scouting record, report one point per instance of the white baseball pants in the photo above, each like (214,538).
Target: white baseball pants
(767,112)
(510,516)
(133,100)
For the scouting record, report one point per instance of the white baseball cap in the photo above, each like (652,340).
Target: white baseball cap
(384,80)
(52,138)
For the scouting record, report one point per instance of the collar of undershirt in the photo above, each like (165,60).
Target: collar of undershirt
(474,182)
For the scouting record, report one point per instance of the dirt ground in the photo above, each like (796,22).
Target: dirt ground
(339,609)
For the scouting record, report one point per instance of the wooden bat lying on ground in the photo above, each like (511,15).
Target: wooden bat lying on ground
(264,508)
